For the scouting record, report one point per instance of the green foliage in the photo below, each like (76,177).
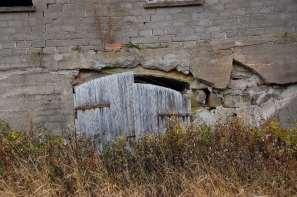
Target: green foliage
(207,135)
(133,46)
(4,127)
(2,168)
(289,136)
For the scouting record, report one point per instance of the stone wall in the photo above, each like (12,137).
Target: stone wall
(44,53)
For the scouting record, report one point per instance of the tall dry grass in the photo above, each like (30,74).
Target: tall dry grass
(232,160)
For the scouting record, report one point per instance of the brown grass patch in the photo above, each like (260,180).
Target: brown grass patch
(232,160)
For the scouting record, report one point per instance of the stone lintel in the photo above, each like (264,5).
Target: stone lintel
(17,9)
(175,3)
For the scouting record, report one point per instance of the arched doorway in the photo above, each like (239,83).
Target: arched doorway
(120,104)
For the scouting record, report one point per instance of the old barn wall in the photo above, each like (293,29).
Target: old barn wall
(43,52)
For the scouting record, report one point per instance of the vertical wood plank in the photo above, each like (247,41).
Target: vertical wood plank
(112,106)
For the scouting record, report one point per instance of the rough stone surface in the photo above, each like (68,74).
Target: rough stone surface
(42,52)
(255,103)
(275,62)
(287,115)
(200,97)
(39,98)
(211,66)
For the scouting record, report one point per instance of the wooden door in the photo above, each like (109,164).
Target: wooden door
(114,105)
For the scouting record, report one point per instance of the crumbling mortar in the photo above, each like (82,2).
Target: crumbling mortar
(272,99)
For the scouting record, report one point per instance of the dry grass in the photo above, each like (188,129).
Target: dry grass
(233,160)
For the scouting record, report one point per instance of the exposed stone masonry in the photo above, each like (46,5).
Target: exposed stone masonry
(246,97)
(42,53)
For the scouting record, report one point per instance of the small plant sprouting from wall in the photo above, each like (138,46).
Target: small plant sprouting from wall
(36,56)
(286,37)
(131,45)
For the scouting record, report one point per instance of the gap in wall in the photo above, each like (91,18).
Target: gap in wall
(13,3)
(174,84)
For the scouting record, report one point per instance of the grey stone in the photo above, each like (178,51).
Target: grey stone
(236,101)
(281,106)
(244,83)
(274,62)
(213,100)
(167,59)
(211,66)
(198,85)
(200,97)
(287,115)
(205,117)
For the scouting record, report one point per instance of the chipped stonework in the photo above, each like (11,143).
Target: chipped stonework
(44,54)
(250,99)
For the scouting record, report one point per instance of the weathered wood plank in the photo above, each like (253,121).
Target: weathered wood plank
(176,114)
(92,107)
(112,106)
(150,101)
(108,122)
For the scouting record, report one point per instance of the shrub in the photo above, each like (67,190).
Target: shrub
(230,160)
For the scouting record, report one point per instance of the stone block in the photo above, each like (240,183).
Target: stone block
(213,100)
(200,97)
(236,101)
(211,66)
(275,62)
